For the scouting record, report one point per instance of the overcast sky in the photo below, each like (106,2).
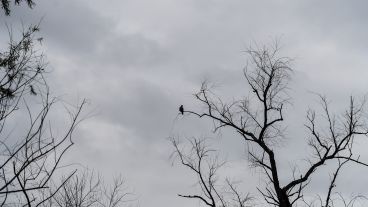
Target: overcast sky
(136,61)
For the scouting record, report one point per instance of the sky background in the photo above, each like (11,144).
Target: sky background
(137,61)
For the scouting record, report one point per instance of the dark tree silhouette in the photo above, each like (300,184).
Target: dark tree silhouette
(28,163)
(30,171)
(258,120)
(198,159)
(6,4)
(87,189)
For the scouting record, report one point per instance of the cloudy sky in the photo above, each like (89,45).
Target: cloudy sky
(136,61)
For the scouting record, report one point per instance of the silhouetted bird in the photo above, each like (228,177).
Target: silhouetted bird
(33,92)
(181,109)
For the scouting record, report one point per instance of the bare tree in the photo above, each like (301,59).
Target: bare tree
(88,189)
(28,163)
(258,120)
(199,160)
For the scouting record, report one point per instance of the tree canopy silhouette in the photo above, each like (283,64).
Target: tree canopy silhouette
(6,4)
(30,173)
(258,120)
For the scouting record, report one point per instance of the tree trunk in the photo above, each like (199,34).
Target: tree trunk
(284,200)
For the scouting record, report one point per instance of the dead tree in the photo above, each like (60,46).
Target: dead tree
(28,163)
(258,120)
(30,173)
(199,160)
(87,189)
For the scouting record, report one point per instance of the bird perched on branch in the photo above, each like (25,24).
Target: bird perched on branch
(32,90)
(181,109)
